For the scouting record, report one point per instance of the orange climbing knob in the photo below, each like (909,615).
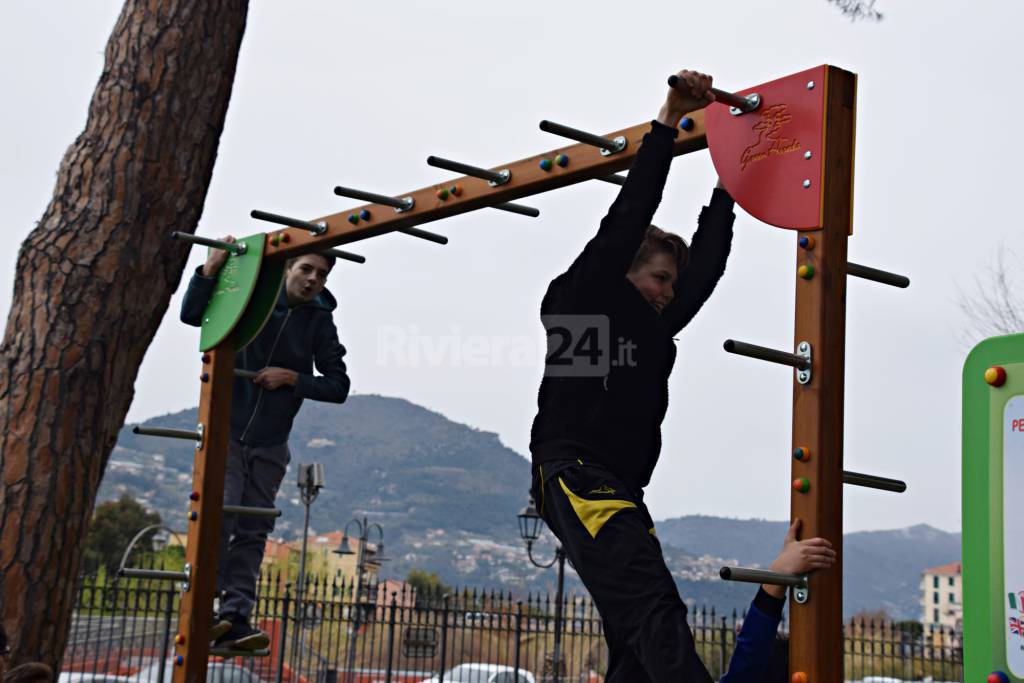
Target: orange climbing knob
(799,677)
(802,484)
(805,271)
(802,453)
(996,376)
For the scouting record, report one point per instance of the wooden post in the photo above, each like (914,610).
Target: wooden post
(201,552)
(816,635)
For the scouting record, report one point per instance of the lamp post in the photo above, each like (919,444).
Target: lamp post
(529,530)
(311,480)
(364,527)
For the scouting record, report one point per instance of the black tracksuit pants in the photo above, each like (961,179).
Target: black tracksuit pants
(609,537)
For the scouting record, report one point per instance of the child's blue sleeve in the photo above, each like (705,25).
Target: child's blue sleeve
(755,642)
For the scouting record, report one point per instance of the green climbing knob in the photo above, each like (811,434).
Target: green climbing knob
(353,218)
(805,271)
(802,484)
(545,164)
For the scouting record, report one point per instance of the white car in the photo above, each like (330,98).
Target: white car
(216,672)
(484,673)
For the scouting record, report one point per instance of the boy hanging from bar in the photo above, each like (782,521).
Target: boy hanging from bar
(299,335)
(597,434)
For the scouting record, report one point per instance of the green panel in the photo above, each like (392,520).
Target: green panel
(985,625)
(235,284)
(261,305)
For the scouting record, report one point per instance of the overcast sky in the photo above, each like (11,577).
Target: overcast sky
(360,93)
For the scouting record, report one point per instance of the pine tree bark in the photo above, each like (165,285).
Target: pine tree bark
(94,279)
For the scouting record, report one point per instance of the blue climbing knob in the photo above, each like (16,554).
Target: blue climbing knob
(562,160)
(365,214)
(686,124)
(545,164)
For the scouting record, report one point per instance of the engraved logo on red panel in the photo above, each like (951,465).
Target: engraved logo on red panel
(770,142)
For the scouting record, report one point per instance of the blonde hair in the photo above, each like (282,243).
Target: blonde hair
(657,241)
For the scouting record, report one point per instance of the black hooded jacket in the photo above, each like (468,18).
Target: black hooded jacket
(296,338)
(615,420)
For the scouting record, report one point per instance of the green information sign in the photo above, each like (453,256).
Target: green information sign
(235,285)
(993,521)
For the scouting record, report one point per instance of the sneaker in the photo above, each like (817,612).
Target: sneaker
(242,636)
(220,626)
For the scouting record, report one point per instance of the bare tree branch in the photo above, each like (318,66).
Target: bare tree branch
(858,9)
(994,303)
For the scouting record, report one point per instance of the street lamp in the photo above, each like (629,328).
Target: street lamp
(364,527)
(529,530)
(310,480)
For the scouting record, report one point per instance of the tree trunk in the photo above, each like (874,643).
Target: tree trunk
(93,282)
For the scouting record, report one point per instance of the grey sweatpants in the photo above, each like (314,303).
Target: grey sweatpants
(254,474)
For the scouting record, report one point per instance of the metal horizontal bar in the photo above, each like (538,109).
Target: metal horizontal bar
(762,576)
(424,235)
(160,574)
(244,374)
(872,482)
(766,354)
(224,652)
(876,275)
(741,102)
(236,247)
(496,177)
(317,228)
(245,511)
(345,255)
(403,204)
(588,163)
(614,179)
(518,208)
(616,145)
(168,433)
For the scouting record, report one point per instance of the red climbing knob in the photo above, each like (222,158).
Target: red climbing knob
(179,639)
(194,495)
(996,376)
(799,677)
(802,484)
(206,358)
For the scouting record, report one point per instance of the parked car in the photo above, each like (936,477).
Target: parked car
(216,672)
(484,673)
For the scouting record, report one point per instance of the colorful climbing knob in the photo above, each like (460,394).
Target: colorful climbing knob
(805,271)
(179,660)
(285,237)
(799,677)
(275,240)
(193,516)
(205,377)
(996,376)
(353,218)
(802,453)
(194,495)
(998,677)
(365,214)
(206,358)
(456,190)
(686,123)
(545,164)
(179,639)
(562,160)
(806,242)
(442,194)
(802,484)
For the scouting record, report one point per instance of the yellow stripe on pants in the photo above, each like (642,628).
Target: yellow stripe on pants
(594,513)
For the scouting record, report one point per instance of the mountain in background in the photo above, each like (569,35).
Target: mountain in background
(447,496)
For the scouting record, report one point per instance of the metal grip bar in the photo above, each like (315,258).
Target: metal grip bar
(885,277)
(764,353)
(424,235)
(161,574)
(169,433)
(235,248)
(345,255)
(315,228)
(244,374)
(518,208)
(496,177)
(246,511)
(762,576)
(872,482)
(614,179)
(742,102)
(403,204)
(616,145)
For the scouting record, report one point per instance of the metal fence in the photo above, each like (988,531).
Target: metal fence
(388,633)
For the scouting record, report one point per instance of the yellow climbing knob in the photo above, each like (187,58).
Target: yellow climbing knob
(805,271)
(996,376)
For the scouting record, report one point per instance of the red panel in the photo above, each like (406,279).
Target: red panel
(761,157)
